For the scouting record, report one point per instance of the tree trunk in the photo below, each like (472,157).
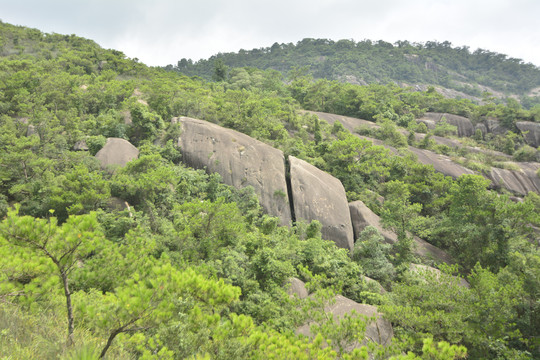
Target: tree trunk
(69,307)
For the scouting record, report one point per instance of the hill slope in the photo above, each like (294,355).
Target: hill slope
(363,62)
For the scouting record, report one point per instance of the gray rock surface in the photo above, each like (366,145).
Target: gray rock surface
(296,287)
(440,163)
(116,152)
(530,131)
(483,128)
(519,182)
(464,125)
(362,216)
(318,195)
(379,331)
(495,127)
(240,160)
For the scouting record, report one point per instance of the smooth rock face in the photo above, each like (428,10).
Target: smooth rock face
(519,182)
(117,152)
(530,131)
(379,331)
(495,127)
(464,125)
(441,163)
(296,287)
(320,196)
(362,217)
(240,160)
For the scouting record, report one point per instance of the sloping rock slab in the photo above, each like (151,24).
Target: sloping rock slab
(464,125)
(379,331)
(116,152)
(348,123)
(318,195)
(240,160)
(519,182)
(362,216)
(441,163)
(530,131)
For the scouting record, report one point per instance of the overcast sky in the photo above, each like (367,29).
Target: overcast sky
(161,32)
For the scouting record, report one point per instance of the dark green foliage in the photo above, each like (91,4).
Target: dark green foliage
(381,62)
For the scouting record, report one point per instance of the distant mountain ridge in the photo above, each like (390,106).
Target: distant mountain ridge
(403,63)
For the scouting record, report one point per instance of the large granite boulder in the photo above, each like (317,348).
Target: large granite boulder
(519,182)
(464,125)
(379,331)
(362,217)
(297,288)
(318,195)
(440,163)
(116,152)
(240,160)
(530,131)
(495,127)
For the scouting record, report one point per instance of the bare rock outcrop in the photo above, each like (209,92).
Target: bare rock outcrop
(116,152)
(362,217)
(440,163)
(519,182)
(318,195)
(495,127)
(464,125)
(297,288)
(530,131)
(379,331)
(240,160)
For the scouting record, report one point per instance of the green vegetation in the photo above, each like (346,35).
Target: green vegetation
(367,62)
(193,269)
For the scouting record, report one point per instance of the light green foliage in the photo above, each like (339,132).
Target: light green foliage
(443,128)
(399,214)
(129,268)
(372,253)
(439,351)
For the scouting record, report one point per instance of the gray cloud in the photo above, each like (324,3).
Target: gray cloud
(160,32)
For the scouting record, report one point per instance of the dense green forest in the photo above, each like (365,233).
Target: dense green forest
(193,268)
(366,62)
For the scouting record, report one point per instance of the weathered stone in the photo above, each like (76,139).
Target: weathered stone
(530,131)
(318,195)
(31,130)
(117,152)
(348,122)
(495,127)
(483,129)
(375,284)
(240,160)
(297,288)
(440,163)
(519,182)
(80,146)
(421,270)
(430,124)
(362,217)
(379,331)
(464,125)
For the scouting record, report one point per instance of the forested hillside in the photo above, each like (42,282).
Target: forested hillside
(153,259)
(404,63)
